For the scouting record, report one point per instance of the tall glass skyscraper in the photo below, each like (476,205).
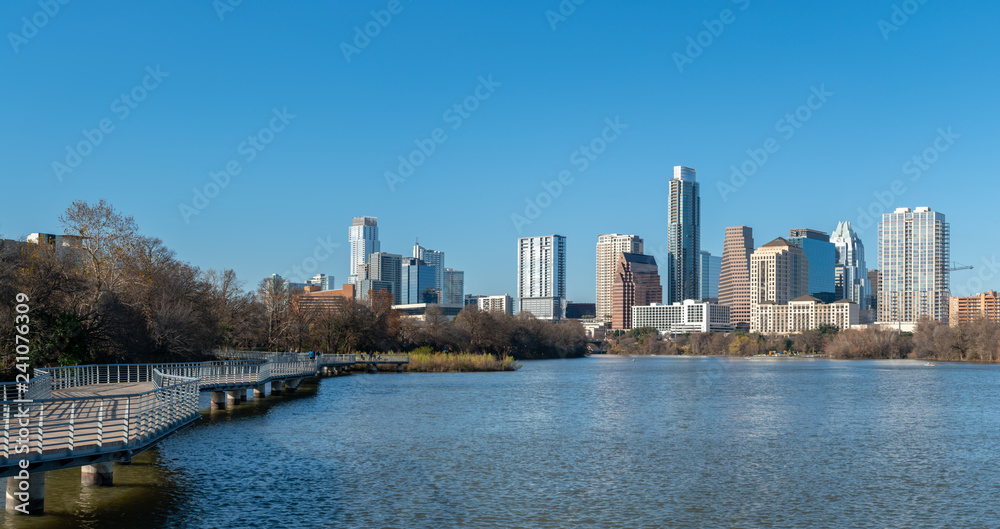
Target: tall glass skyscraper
(417,282)
(363,236)
(432,258)
(822,255)
(683,236)
(913,254)
(851,274)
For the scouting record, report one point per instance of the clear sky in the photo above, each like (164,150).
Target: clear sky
(180,88)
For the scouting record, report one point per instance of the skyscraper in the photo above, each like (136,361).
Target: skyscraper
(386,267)
(913,255)
(734,280)
(709,271)
(822,255)
(432,258)
(417,285)
(683,236)
(363,236)
(779,273)
(636,283)
(453,292)
(851,278)
(541,276)
(609,247)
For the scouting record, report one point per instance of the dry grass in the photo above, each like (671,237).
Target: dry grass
(437,362)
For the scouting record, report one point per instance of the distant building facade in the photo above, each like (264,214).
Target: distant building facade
(734,280)
(966,309)
(432,258)
(683,236)
(609,247)
(417,285)
(682,318)
(387,267)
(322,281)
(851,274)
(363,237)
(913,260)
(541,276)
(709,272)
(803,314)
(636,282)
(504,304)
(822,255)
(779,273)
(453,290)
(579,311)
(324,301)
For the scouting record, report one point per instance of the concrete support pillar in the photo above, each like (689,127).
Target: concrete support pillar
(234,397)
(291,385)
(399,368)
(102,474)
(26,496)
(260,392)
(327,371)
(372,368)
(275,387)
(218,400)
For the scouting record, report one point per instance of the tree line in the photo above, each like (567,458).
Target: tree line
(123,296)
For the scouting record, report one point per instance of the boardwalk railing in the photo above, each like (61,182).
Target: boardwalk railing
(39,387)
(211,374)
(78,426)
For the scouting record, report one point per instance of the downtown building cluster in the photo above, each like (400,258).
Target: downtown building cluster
(804,281)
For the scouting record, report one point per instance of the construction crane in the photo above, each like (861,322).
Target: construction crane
(955,267)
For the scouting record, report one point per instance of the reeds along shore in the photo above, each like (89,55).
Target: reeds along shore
(439,362)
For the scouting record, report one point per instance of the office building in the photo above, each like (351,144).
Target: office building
(504,304)
(386,267)
(709,272)
(417,283)
(418,311)
(874,277)
(802,314)
(913,255)
(779,273)
(432,258)
(326,301)
(683,236)
(322,281)
(851,274)
(541,276)
(637,282)
(966,309)
(822,255)
(368,287)
(682,318)
(734,279)
(609,247)
(473,299)
(363,236)
(579,311)
(453,290)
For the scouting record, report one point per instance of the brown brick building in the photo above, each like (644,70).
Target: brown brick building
(324,301)
(734,280)
(636,282)
(965,309)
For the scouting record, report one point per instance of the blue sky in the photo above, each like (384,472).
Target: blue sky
(337,112)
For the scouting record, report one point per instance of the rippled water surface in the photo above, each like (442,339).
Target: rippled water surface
(598,442)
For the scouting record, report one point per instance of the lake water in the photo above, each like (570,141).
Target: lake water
(596,442)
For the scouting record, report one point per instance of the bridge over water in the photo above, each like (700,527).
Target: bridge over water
(94,415)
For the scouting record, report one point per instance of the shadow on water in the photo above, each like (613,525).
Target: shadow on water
(145,492)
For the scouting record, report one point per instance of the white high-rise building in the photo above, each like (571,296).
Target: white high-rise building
(851,274)
(609,247)
(322,281)
(363,236)
(913,261)
(504,304)
(432,258)
(541,276)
